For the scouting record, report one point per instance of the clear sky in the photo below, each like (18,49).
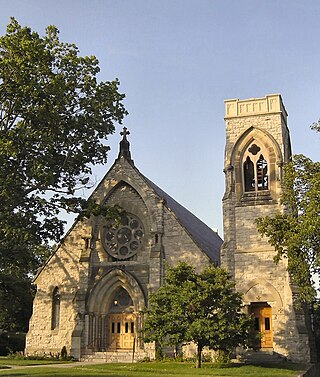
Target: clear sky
(177,61)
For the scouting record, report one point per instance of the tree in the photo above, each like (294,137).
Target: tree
(295,233)
(54,119)
(195,307)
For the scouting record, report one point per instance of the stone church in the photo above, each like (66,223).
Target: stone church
(91,290)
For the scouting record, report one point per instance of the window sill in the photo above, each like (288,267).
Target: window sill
(256,197)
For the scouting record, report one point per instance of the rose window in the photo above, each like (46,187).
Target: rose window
(122,242)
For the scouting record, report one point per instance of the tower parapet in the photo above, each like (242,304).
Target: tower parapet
(255,106)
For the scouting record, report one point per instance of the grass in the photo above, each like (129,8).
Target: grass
(5,361)
(153,369)
(12,361)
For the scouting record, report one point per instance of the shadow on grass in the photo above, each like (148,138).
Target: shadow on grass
(282,365)
(286,365)
(156,369)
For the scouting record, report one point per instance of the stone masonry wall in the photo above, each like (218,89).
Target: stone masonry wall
(61,271)
(178,245)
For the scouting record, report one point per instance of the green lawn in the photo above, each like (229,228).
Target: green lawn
(167,369)
(10,361)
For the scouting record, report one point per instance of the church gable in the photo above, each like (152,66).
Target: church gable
(167,226)
(126,186)
(101,275)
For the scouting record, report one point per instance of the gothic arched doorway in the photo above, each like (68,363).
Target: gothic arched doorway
(112,320)
(262,313)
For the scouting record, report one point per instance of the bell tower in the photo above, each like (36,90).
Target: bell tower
(257,147)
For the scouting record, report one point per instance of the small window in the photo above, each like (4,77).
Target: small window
(132,327)
(118,327)
(267,323)
(256,324)
(55,319)
(126,327)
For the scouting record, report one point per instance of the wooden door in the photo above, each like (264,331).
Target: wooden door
(122,330)
(129,331)
(263,324)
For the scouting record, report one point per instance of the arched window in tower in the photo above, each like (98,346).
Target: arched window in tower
(55,319)
(255,170)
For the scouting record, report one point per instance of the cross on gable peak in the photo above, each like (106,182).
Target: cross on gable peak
(125,146)
(124,132)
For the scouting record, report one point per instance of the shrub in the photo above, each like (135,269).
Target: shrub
(11,342)
(64,353)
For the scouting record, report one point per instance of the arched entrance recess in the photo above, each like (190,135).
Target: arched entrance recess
(264,302)
(112,320)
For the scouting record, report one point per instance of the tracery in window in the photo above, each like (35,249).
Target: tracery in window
(55,319)
(121,301)
(124,241)
(255,170)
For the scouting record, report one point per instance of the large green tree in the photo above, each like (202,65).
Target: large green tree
(203,308)
(55,117)
(295,233)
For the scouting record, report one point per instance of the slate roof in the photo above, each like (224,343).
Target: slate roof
(207,239)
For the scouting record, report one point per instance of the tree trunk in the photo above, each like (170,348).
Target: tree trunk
(199,354)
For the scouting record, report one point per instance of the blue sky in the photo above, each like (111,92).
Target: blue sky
(177,61)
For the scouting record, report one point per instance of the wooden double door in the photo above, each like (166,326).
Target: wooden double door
(263,323)
(122,330)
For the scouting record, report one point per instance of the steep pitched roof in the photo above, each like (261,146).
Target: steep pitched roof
(207,239)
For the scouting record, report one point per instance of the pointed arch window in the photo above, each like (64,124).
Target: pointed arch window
(55,319)
(255,170)
(122,301)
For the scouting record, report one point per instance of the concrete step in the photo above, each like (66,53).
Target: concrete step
(116,356)
(257,357)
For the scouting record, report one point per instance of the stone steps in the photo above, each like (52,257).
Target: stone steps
(261,357)
(116,356)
